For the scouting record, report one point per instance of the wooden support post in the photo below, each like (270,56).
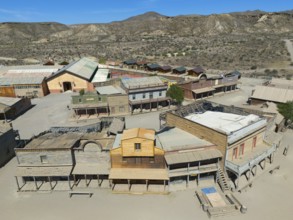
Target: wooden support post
(198,179)
(140,107)
(164,185)
(74,180)
(249,174)
(49,178)
(237,181)
(187,180)
(146,184)
(169,103)
(128,185)
(17,183)
(272,158)
(150,106)
(69,182)
(198,165)
(34,178)
(85,180)
(98,179)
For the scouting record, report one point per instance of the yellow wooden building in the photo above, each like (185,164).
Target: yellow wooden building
(135,159)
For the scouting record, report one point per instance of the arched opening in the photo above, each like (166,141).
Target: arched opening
(67,86)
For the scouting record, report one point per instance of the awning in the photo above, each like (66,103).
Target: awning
(192,156)
(207,89)
(43,171)
(138,174)
(91,169)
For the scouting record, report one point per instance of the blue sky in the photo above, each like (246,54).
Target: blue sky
(95,11)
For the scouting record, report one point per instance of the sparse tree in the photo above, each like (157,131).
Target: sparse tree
(176,93)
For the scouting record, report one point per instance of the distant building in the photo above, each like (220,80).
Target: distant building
(10,108)
(146,93)
(153,67)
(179,70)
(135,159)
(76,76)
(7,143)
(25,81)
(277,94)
(165,69)
(196,71)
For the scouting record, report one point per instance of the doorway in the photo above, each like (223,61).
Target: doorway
(67,86)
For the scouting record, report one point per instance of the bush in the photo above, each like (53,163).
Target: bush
(254,67)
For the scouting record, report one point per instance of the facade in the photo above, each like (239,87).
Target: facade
(204,87)
(76,76)
(8,143)
(25,82)
(188,157)
(135,159)
(240,138)
(97,104)
(146,93)
(10,108)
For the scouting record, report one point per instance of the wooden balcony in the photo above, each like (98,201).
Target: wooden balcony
(193,170)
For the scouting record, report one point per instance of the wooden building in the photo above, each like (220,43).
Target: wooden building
(165,69)
(7,143)
(196,71)
(146,93)
(25,82)
(135,159)
(204,87)
(179,70)
(10,108)
(76,76)
(153,67)
(46,160)
(240,138)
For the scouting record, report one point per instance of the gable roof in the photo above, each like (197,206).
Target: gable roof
(138,133)
(180,69)
(84,68)
(273,94)
(198,69)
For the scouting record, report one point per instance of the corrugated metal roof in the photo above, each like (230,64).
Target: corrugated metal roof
(191,156)
(101,75)
(143,82)
(138,132)
(273,94)
(107,90)
(83,67)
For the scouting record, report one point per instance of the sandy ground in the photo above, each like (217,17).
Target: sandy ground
(269,198)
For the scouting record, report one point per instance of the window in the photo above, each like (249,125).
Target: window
(99,99)
(133,97)
(151,95)
(254,142)
(160,93)
(137,146)
(235,151)
(241,152)
(44,159)
(143,95)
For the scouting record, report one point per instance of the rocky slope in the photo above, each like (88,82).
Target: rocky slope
(235,40)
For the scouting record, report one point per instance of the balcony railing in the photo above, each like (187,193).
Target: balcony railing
(193,170)
(248,164)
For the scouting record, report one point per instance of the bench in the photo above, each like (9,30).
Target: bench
(80,193)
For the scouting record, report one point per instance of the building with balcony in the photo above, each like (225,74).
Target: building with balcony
(241,137)
(146,93)
(136,160)
(205,87)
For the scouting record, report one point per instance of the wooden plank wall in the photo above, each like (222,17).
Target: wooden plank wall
(213,136)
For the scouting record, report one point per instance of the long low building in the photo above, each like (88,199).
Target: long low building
(10,108)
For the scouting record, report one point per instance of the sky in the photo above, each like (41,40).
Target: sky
(97,11)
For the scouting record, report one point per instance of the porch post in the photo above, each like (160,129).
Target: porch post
(85,180)
(128,185)
(198,179)
(69,182)
(237,181)
(35,183)
(272,158)
(74,180)
(164,185)
(98,179)
(146,184)
(18,188)
(49,178)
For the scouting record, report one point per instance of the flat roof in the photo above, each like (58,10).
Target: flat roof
(107,90)
(191,156)
(91,168)
(143,82)
(9,101)
(43,171)
(138,174)
(176,139)
(223,122)
(54,141)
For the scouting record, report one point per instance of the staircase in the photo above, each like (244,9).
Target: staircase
(222,179)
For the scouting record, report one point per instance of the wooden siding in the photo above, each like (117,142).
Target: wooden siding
(128,149)
(213,136)
(7,91)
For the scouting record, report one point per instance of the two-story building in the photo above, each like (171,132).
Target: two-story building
(241,138)
(136,160)
(46,160)
(146,93)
